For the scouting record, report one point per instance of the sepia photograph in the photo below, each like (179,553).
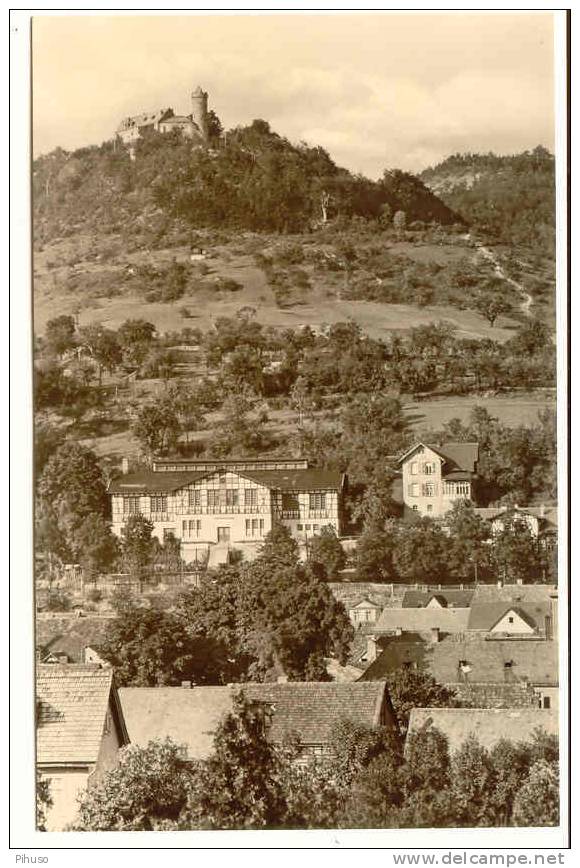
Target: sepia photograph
(299,414)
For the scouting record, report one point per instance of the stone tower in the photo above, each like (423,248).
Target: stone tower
(199,111)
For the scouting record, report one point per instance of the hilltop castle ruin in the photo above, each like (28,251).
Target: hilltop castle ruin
(193,126)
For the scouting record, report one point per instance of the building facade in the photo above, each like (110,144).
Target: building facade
(193,126)
(213,507)
(435,477)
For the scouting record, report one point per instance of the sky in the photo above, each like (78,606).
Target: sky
(376,90)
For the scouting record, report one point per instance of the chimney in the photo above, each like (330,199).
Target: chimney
(125,466)
(371,649)
(434,635)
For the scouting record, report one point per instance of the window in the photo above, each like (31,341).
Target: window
(194,498)
(414,468)
(429,507)
(168,532)
(300,527)
(462,488)
(290,502)
(307,528)
(130,505)
(158,503)
(428,469)
(315,528)
(254,527)
(546,701)
(317,501)
(250,499)
(510,620)
(213,499)
(429,489)
(191,528)
(414,489)
(261,527)
(231,496)
(415,508)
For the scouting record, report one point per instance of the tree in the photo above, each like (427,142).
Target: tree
(239,786)
(422,553)
(150,649)
(47,440)
(95,546)
(137,546)
(156,427)
(43,801)
(375,550)
(472,784)
(72,487)
(469,553)
(136,337)
(537,803)
(326,552)
(103,345)
(515,551)
(411,688)
(491,306)
(60,334)
(148,789)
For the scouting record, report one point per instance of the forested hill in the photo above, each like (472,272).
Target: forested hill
(510,199)
(255,180)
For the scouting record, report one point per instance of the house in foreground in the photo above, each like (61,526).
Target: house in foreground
(488,725)
(79,730)
(307,711)
(214,506)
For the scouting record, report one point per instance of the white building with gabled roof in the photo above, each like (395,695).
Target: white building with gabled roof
(436,476)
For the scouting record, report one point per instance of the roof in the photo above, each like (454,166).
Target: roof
(351,593)
(70,635)
(547,515)
(143,119)
(484,616)
(309,710)
(72,703)
(514,593)
(454,598)
(154,481)
(457,456)
(488,725)
(532,660)
(447,620)
(367,604)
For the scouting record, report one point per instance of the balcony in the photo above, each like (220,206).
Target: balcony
(222,510)
(320,513)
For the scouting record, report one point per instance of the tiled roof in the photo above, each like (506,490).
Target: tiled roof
(513,593)
(146,481)
(190,716)
(351,593)
(457,456)
(297,480)
(153,481)
(72,702)
(143,119)
(484,616)
(489,725)
(454,598)
(70,636)
(547,515)
(447,620)
(534,660)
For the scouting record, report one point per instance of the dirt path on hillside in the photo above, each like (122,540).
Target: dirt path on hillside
(488,254)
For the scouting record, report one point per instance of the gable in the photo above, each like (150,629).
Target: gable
(512,622)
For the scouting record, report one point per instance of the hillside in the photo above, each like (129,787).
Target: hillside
(509,199)
(256,181)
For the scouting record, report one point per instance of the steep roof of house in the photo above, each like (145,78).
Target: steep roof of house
(366,604)
(72,702)
(145,481)
(488,725)
(454,598)
(484,616)
(546,515)
(532,660)
(309,710)
(143,119)
(513,593)
(351,593)
(457,456)
(447,620)
(70,635)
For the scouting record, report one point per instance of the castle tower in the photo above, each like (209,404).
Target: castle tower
(199,110)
